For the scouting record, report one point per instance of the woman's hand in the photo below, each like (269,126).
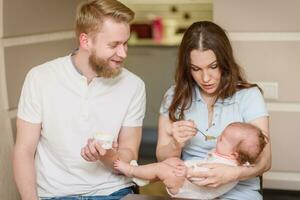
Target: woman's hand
(182,131)
(172,136)
(217,174)
(179,168)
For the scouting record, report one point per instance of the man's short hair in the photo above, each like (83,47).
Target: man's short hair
(90,15)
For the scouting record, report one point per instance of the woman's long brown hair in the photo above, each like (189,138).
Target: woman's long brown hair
(205,35)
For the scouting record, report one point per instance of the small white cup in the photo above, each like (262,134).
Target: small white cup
(106,139)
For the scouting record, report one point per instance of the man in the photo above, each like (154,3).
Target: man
(66,101)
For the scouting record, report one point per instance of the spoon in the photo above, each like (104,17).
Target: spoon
(207,137)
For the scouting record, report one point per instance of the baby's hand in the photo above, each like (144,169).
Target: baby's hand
(123,167)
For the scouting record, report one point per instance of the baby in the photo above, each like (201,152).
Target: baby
(239,144)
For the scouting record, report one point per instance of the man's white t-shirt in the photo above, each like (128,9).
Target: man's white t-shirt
(71,111)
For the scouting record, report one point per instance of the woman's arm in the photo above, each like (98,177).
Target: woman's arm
(166,145)
(221,174)
(172,137)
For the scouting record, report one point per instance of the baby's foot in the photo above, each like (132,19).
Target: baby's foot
(123,167)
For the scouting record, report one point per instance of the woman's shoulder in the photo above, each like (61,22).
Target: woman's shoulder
(241,95)
(251,103)
(168,96)
(246,93)
(167,99)
(170,91)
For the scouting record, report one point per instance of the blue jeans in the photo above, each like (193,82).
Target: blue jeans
(114,196)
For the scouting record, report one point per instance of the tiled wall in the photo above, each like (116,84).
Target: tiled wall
(29,56)
(35,16)
(272,61)
(258,16)
(266,39)
(31,32)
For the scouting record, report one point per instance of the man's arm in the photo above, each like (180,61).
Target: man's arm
(129,143)
(128,146)
(28,135)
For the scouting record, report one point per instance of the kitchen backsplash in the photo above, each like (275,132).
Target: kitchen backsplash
(166,20)
(182,12)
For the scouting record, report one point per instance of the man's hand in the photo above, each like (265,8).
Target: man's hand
(93,151)
(126,148)
(218,174)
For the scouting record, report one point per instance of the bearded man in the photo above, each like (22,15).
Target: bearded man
(64,102)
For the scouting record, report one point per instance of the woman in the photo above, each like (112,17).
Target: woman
(210,92)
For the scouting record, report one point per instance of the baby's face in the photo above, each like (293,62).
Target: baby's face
(227,142)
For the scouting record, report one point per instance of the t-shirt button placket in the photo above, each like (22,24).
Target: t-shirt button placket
(85,113)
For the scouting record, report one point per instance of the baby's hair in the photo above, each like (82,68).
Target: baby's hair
(247,151)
